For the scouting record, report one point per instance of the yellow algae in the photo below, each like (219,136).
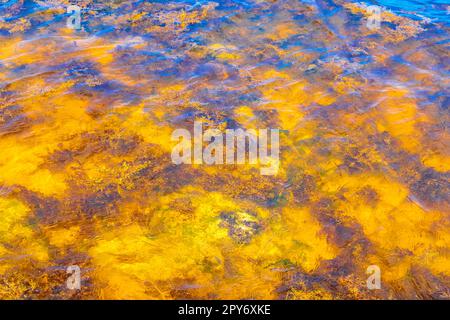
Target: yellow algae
(309,295)
(45,182)
(97,51)
(289,241)
(292,94)
(391,220)
(274,74)
(223,52)
(217,46)
(63,237)
(22,161)
(288,101)
(126,279)
(152,257)
(13,213)
(400,118)
(227,56)
(26,53)
(70,111)
(158,258)
(439,162)
(140,123)
(306,246)
(15,235)
(283,31)
(323,99)
(21,165)
(247,118)
(347,84)
(9,47)
(439,264)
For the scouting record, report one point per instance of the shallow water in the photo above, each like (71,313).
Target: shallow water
(86,176)
(436,10)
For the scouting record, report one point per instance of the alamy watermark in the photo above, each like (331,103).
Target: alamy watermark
(229,147)
(374,280)
(73,282)
(374,19)
(74,20)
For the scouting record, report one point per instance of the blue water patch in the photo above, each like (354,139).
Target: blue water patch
(436,10)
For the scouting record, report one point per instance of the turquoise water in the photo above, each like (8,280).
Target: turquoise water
(436,10)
